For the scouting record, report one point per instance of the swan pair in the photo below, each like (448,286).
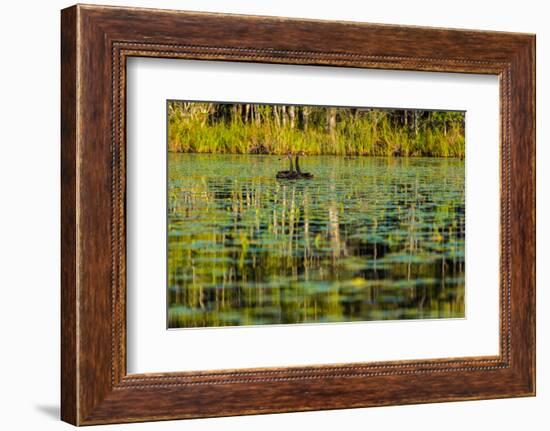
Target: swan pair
(294,172)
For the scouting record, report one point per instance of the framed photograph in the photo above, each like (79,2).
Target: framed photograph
(265,215)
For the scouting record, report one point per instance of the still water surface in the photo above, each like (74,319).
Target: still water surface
(365,239)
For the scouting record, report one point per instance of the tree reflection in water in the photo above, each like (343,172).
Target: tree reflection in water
(365,239)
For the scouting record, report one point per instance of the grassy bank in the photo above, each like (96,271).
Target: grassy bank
(278,129)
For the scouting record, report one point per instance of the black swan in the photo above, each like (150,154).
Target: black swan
(301,174)
(294,174)
(291,173)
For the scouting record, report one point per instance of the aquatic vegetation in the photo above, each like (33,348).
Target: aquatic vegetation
(278,129)
(364,239)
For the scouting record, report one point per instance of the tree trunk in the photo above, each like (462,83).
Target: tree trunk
(291,116)
(305,117)
(276,114)
(257,115)
(331,122)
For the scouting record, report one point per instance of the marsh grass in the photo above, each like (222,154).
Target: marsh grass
(376,132)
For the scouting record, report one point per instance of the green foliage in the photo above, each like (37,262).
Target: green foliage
(278,129)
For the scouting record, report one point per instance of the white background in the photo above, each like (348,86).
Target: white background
(151,348)
(29,227)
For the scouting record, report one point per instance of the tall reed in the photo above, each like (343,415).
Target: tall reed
(200,128)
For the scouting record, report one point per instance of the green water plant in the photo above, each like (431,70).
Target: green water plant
(278,129)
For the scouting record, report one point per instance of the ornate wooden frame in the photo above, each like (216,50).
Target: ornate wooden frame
(95,43)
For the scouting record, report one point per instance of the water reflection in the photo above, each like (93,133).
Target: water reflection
(366,239)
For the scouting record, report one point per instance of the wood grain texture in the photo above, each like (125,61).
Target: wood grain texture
(96,41)
(69,397)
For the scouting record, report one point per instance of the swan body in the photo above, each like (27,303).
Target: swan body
(292,173)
